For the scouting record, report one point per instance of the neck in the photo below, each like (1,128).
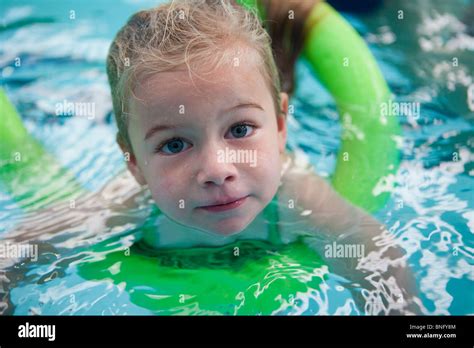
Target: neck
(170,234)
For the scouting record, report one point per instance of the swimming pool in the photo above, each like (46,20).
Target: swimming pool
(427,58)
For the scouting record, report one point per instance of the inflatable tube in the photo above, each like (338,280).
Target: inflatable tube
(28,172)
(343,63)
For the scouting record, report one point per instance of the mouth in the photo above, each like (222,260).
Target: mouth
(228,204)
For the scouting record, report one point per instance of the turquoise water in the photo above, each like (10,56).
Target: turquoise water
(62,58)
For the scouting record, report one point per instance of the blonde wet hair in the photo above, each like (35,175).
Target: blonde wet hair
(193,33)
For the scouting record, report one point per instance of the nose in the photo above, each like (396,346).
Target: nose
(213,170)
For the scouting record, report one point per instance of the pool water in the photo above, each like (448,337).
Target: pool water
(51,52)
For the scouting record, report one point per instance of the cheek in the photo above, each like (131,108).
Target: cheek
(268,153)
(268,166)
(164,185)
(169,185)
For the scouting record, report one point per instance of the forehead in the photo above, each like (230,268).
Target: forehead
(238,77)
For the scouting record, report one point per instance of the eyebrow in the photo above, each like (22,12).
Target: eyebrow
(158,128)
(245,105)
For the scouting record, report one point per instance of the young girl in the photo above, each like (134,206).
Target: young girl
(202,121)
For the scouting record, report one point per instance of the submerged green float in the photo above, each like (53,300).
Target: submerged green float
(242,278)
(26,169)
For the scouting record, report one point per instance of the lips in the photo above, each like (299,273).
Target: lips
(223,201)
(224,204)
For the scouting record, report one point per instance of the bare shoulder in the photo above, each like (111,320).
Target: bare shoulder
(301,184)
(314,197)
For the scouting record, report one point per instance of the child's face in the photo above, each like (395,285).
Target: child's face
(214,141)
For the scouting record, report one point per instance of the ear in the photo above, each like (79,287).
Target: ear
(131,161)
(281,122)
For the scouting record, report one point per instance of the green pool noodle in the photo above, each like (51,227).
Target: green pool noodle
(344,64)
(32,176)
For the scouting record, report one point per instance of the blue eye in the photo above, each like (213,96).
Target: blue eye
(172,146)
(241,130)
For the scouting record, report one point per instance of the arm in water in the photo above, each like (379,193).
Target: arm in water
(381,270)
